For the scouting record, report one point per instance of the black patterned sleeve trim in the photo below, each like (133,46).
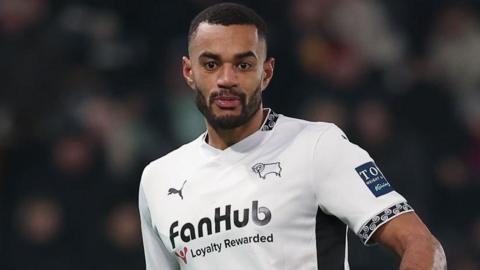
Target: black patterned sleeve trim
(381,218)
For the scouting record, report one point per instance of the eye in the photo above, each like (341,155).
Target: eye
(244,66)
(210,65)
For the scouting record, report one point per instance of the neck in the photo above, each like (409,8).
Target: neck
(223,138)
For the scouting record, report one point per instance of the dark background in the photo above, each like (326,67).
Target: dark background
(91,91)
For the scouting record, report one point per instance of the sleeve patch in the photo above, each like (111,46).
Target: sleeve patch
(374,179)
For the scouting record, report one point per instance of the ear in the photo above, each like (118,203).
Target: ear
(187,72)
(268,67)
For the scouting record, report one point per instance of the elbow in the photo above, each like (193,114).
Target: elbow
(439,257)
(426,248)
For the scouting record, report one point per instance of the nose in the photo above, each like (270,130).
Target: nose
(227,77)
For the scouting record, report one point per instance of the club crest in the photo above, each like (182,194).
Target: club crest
(264,169)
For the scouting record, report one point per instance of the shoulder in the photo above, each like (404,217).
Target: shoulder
(172,163)
(323,141)
(314,130)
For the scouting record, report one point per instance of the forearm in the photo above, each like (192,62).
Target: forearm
(423,253)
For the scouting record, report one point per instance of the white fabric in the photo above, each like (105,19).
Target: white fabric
(305,166)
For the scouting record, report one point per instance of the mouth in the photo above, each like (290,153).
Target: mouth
(227,102)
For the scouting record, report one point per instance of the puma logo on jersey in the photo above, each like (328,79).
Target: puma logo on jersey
(176,191)
(264,169)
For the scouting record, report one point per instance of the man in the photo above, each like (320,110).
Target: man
(259,190)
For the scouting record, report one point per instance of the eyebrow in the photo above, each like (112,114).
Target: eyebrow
(236,56)
(245,55)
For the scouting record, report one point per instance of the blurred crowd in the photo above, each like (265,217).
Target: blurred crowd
(91,91)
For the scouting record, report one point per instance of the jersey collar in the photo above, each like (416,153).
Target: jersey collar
(246,144)
(270,120)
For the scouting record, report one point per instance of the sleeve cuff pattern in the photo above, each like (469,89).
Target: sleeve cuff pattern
(381,218)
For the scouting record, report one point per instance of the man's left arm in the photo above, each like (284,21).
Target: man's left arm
(410,239)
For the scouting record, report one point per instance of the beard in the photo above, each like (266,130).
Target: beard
(248,108)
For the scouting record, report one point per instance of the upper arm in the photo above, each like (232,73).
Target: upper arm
(349,185)
(157,256)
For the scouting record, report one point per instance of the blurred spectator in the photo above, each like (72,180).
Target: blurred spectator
(109,48)
(17,16)
(309,15)
(122,227)
(185,119)
(475,233)
(119,242)
(39,221)
(32,68)
(455,58)
(457,188)
(39,235)
(341,41)
(472,123)
(326,110)
(364,25)
(119,126)
(455,49)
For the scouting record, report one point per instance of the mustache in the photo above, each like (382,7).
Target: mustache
(227,92)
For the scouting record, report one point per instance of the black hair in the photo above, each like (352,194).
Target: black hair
(229,14)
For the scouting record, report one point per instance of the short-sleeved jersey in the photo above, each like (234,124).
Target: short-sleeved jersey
(282,198)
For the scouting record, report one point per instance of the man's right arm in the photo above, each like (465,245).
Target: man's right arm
(410,239)
(157,256)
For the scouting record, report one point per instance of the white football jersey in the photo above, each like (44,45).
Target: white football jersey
(282,198)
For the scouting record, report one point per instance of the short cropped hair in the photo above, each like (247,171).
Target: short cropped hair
(229,14)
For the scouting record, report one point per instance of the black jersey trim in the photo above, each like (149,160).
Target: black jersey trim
(331,242)
(270,120)
(381,218)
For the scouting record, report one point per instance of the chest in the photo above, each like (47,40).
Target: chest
(259,198)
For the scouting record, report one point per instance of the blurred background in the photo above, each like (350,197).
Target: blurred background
(91,91)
